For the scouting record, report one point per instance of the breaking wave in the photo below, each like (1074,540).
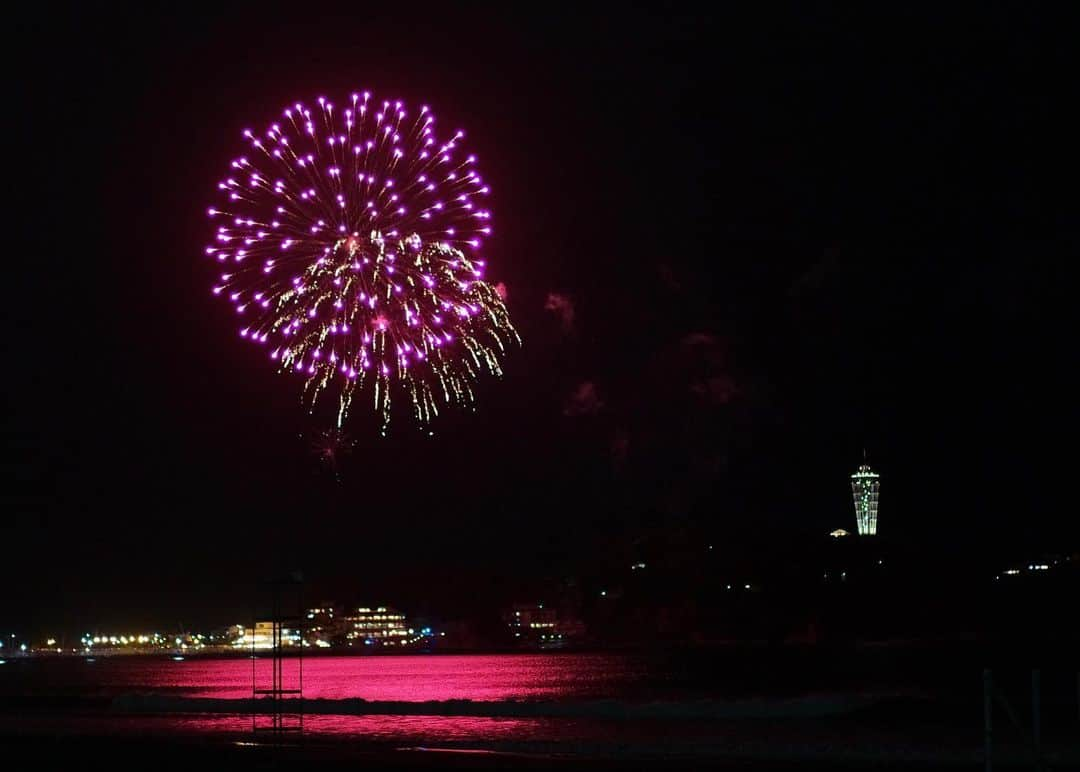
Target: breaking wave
(799,707)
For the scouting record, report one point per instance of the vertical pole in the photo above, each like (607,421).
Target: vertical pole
(988,749)
(1036,717)
(277,661)
(275,633)
(302,624)
(254,696)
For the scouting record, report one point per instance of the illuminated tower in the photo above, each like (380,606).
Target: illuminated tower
(864,488)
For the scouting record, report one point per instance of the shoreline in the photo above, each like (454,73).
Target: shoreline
(942,643)
(754,745)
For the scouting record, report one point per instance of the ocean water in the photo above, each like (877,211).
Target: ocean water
(782,703)
(499,700)
(689,674)
(392,678)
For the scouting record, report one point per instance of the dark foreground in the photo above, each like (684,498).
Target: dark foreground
(48,752)
(898,736)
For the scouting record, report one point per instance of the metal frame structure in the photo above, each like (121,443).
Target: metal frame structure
(286,708)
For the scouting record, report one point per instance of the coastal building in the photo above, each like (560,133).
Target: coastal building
(323,625)
(262,636)
(380,625)
(537,624)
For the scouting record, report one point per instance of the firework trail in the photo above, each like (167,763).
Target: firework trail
(349,242)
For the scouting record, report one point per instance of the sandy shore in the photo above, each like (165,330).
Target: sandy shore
(854,743)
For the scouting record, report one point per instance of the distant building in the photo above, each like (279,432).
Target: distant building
(380,625)
(839,533)
(535,624)
(262,636)
(324,624)
(865,484)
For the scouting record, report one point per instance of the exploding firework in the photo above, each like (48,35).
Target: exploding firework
(350,244)
(330,446)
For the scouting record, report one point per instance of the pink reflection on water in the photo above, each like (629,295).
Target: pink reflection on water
(395,729)
(463,732)
(391,678)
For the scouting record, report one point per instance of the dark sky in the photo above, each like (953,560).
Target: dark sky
(784,238)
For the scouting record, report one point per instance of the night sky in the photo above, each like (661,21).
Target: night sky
(768,243)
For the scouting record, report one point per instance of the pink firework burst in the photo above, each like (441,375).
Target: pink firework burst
(349,240)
